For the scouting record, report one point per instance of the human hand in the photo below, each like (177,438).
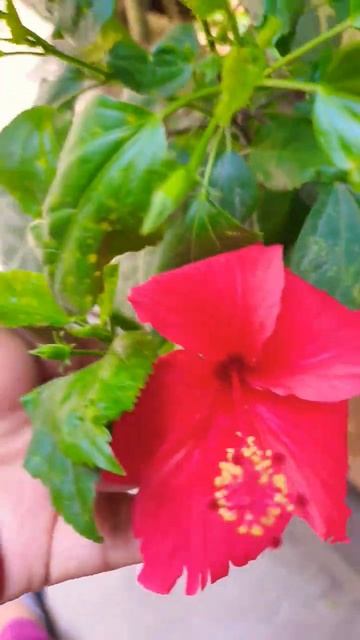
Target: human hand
(36,547)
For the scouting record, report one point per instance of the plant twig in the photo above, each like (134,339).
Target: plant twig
(232,22)
(308,46)
(209,36)
(290,85)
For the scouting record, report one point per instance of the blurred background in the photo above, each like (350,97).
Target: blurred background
(304,589)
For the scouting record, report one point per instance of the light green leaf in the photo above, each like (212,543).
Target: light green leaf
(242,70)
(111,163)
(285,153)
(64,88)
(71,416)
(355,12)
(327,252)
(26,301)
(206,230)
(234,186)
(14,23)
(204,8)
(29,151)
(168,197)
(107,298)
(286,11)
(165,70)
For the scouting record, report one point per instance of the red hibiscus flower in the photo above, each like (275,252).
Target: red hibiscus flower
(246,425)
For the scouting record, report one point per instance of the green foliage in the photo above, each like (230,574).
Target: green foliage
(109,166)
(251,136)
(285,153)
(26,300)
(165,70)
(70,416)
(29,151)
(327,252)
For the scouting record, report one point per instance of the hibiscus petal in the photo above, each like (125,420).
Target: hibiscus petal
(314,352)
(173,443)
(312,436)
(222,306)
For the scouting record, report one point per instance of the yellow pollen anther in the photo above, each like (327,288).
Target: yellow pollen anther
(227,514)
(243,529)
(267,521)
(279,481)
(256,530)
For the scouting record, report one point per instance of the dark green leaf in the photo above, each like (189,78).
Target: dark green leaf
(109,167)
(29,151)
(26,300)
(72,414)
(203,8)
(206,230)
(281,215)
(234,186)
(337,126)
(165,70)
(355,12)
(243,69)
(286,11)
(72,486)
(343,74)
(327,252)
(285,153)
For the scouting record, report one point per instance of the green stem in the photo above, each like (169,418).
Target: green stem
(198,155)
(4,54)
(233,22)
(290,85)
(185,100)
(208,35)
(211,160)
(33,39)
(308,46)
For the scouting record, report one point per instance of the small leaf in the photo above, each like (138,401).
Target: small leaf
(26,301)
(327,252)
(285,153)
(29,151)
(286,11)
(14,23)
(71,415)
(56,351)
(204,8)
(234,186)
(110,164)
(167,198)
(64,88)
(206,230)
(165,70)
(243,69)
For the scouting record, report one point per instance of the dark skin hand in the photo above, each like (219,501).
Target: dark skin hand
(36,547)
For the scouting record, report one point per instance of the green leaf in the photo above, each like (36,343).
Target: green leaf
(14,23)
(111,162)
(343,74)
(26,301)
(168,197)
(71,416)
(327,252)
(243,69)
(164,70)
(72,486)
(204,8)
(286,11)
(234,185)
(29,151)
(285,153)
(355,12)
(281,215)
(64,89)
(206,230)
(80,19)
(337,126)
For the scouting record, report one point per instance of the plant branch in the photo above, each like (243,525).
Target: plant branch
(4,54)
(308,46)
(232,22)
(201,148)
(208,35)
(137,20)
(184,101)
(34,40)
(290,85)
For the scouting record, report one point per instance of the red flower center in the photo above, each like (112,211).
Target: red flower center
(251,491)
